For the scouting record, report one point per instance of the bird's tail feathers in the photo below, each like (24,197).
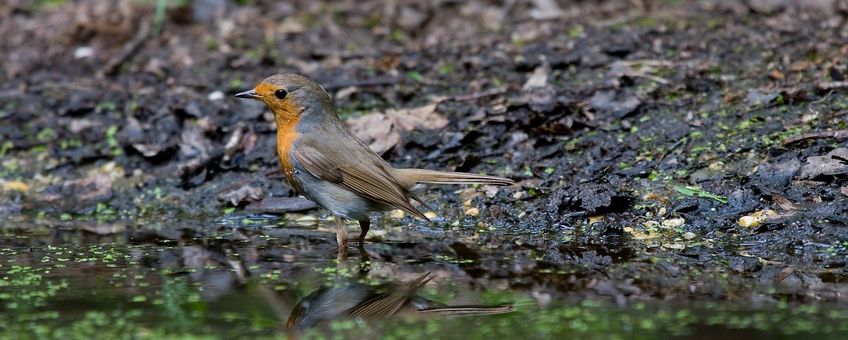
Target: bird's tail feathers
(423,176)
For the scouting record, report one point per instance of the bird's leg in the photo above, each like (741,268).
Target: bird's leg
(364,225)
(341,233)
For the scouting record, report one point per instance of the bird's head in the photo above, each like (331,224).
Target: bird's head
(290,96)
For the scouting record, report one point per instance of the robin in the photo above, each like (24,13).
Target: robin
(325,162)
(355,300)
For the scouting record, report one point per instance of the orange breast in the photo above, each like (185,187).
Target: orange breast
(286,135)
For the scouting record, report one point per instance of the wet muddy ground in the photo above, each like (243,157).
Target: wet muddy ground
(681,168)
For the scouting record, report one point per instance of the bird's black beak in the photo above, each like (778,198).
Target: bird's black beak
(249,94)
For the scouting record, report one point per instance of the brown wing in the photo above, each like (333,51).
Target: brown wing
(363,175)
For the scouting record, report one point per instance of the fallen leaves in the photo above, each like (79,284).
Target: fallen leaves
(244,194)
(673,223)
(834,163)
(539,78)
(381,131)
(640,69)
(784,203)
(757,97)
(612,102)
(377,130)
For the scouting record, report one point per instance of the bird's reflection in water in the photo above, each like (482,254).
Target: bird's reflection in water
(219,272)
(355,300)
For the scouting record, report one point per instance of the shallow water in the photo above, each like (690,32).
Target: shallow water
(217,280)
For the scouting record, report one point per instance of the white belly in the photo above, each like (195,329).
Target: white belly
(338,200)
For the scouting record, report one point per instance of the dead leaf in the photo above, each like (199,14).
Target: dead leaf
(545,9)
(424,117)
(639,69)
(758,97)
(247,193)
(784,203)
(783,274)
(376,130)
(610,101)
(831,164)
(672,223)
(381,131)
(539,78)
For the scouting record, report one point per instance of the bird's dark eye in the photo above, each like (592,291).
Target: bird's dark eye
(281,94)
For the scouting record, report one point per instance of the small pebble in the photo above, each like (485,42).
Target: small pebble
(377,234)
(689,235)
(83,52)
(748,221)
(675,246)
(651,224)
(397,214)
(754,220)
(216,95)
(491,191)
(672,223)
(473,212)
(431,215)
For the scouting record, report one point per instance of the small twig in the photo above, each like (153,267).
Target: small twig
(830,85)
(837,134)
(837,114)
(127,52)
(823,98)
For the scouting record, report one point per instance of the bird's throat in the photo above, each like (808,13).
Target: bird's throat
(286,136)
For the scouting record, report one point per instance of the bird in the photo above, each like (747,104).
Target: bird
(351,299)
(325,162)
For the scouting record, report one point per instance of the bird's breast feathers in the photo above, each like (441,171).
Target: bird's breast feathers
(286,136)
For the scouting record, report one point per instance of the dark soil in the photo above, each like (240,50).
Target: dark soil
(664,152)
